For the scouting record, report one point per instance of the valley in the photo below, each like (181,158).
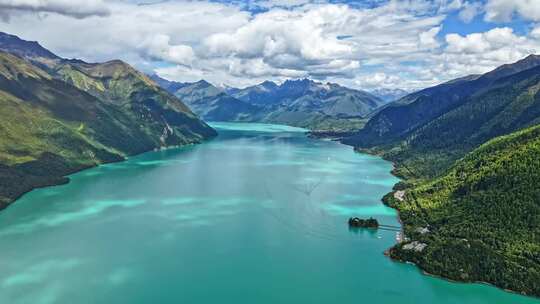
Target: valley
(219,165)
(259,209)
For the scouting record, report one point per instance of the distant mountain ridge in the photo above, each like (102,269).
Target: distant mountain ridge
(302,103)
(210,102)
(389,95)
(328,98)
(170,86)
(58,116)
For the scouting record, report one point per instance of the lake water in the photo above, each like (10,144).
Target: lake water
(257,215)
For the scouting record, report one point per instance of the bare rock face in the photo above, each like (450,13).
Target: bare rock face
(422,230)
(415,245)
(399,195)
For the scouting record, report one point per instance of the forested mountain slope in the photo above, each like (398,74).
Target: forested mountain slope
(480,221)
(508,104)
(469,151)
(405,116)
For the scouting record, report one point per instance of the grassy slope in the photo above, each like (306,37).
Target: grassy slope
(50,128)
(137,97)
(484,216)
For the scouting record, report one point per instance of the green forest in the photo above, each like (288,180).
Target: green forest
(483,216)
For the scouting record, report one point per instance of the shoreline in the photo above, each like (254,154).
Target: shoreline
(65,179)
(419,267)
(426,273)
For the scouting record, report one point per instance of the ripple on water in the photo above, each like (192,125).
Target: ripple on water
(39,272)
(91,208)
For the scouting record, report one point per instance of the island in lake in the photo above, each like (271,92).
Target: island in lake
(363,223)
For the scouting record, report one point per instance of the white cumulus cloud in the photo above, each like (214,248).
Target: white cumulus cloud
(481,52)
(470,10)
(78,9)
(397,43)
(503,10)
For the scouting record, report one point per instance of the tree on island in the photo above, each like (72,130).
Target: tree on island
(362,223)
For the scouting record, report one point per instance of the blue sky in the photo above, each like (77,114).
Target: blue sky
(408,44)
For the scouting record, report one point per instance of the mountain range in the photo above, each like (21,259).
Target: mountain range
(302,103)
(468,150)
(60,116)
(210,102)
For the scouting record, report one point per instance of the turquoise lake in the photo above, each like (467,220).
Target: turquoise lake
(257,215)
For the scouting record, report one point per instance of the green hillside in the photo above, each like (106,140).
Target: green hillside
(50,128)
(471,208)
(119,84)
(509,104)
(406,116)
(482,216)
(513,104)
